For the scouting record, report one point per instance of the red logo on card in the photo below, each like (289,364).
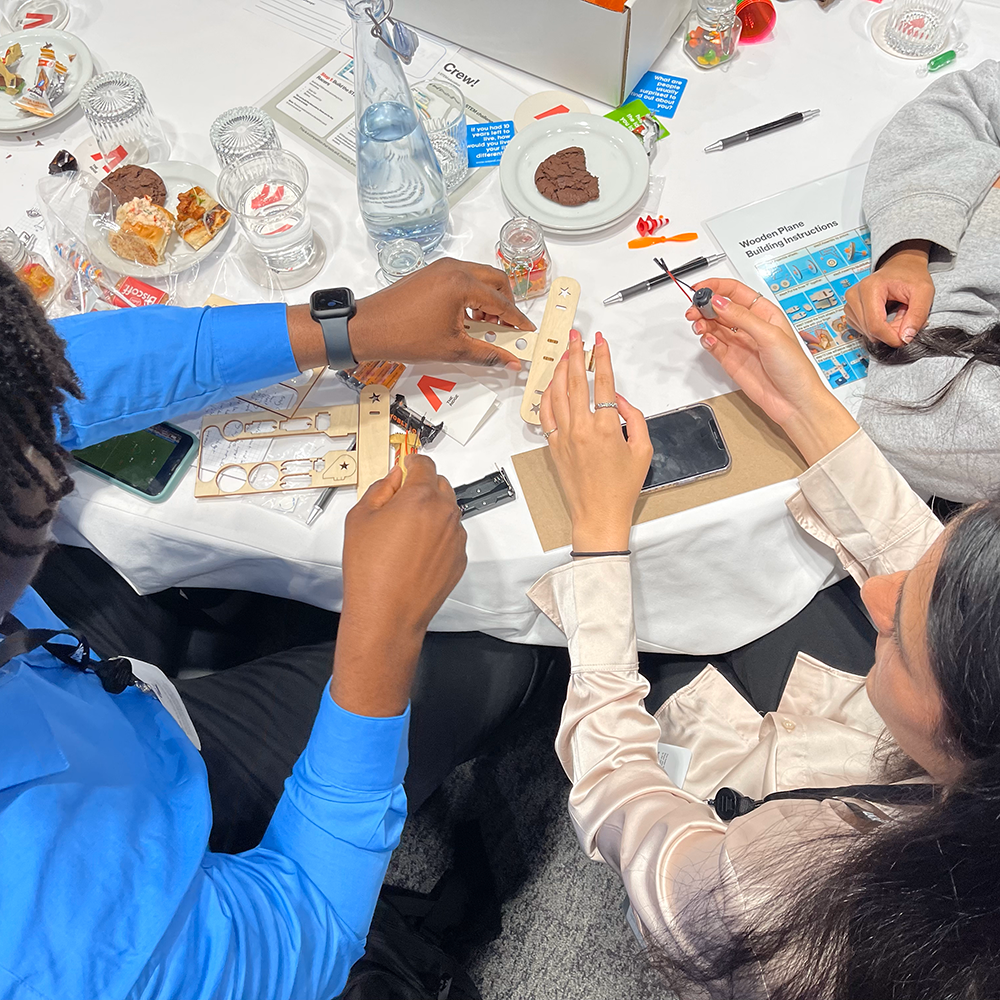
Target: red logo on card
(427,385)
(267,196)
(139,293)
(115,157)
(37,20)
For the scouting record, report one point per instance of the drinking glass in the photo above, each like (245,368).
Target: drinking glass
(267,194)
(122,120)
(442,108)
(23,14)
(919,28)
(241,132)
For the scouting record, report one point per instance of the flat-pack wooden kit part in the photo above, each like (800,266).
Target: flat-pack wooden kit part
(543,347)
(368,462)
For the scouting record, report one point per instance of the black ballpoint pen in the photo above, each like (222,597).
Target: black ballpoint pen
(752,133)
(660,279)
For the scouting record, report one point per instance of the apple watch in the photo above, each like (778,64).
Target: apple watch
(333,308)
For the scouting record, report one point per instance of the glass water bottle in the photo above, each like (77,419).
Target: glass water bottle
(713,32)
(401,190)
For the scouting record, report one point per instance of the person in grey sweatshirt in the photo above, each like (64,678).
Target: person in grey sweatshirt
(931,307)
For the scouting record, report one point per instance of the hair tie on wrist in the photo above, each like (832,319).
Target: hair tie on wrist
(593,555)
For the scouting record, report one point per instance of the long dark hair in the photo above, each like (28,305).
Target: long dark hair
(910,908)
(943,342)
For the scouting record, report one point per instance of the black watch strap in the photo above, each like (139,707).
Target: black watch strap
(338,343)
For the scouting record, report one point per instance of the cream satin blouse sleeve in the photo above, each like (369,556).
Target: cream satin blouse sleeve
(625,809)
(854,501)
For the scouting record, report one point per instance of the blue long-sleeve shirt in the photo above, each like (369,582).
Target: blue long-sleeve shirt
(107,888)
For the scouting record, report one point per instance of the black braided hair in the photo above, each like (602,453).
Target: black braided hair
(35,379)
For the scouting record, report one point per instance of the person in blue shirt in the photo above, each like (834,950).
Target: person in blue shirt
(107,886)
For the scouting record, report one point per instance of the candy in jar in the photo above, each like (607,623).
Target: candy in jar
(522,254)
(713,32)
(27,265)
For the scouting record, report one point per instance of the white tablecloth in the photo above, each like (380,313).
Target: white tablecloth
(708,579)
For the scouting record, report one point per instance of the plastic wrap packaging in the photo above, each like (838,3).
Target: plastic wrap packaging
(80,216)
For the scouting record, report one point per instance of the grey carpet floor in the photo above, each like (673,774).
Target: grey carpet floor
(564,935)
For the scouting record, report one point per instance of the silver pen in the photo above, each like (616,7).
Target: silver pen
(662,279)
(322,502)
(752,133)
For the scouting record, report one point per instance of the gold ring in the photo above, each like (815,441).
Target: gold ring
(546,434)
(760,295)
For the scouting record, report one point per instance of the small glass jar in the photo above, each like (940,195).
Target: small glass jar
(713,32)
(522,254)
(27,265)
(397,259)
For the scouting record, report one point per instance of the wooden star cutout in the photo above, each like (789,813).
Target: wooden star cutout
(535,408)
(376,397)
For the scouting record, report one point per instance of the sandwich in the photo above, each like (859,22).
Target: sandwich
(143,231)
(199,217)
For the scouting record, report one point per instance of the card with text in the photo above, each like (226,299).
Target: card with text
(487,141)
(660,92)
(440,393)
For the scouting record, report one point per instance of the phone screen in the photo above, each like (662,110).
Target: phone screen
(144,460)
(687,444)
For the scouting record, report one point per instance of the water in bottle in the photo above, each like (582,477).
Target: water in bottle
(401,190)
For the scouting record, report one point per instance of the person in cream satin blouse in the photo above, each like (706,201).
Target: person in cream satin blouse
(840,896)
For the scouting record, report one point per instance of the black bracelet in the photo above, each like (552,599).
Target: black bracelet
(593,555)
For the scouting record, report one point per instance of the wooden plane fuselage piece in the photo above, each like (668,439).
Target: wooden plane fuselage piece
(368,462)
(543,348)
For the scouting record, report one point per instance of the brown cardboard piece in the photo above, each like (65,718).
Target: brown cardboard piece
(761,453)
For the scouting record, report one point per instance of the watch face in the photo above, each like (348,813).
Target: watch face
(336,301)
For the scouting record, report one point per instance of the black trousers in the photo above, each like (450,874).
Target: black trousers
(272,660)
(833,627)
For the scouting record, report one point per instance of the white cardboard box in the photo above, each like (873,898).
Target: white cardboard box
(573,43)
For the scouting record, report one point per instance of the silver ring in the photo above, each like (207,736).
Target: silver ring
(547,434)
(760,295)
(605,406)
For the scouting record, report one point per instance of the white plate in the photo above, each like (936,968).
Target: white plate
(80,70)
(614,156)
(177,176)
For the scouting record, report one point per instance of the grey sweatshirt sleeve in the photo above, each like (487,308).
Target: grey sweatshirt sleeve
(935,161)
(951,450)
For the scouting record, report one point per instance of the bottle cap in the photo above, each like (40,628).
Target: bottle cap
(757,18)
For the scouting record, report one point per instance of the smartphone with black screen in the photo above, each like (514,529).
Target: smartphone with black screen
(687,445)
(147,463)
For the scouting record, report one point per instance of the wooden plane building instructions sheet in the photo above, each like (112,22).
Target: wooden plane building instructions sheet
(805,248)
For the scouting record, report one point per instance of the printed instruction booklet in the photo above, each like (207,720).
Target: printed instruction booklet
(805,248)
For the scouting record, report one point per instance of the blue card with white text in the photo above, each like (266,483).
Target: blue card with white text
(660,92)
(487,141)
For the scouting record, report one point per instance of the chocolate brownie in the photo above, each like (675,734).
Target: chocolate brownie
(563,178)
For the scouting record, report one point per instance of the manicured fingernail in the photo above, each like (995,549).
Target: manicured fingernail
(599,338)
(908,334)
(513,366)
(565,356)
(708,341)
(694,326)
(574,334)
(719,302)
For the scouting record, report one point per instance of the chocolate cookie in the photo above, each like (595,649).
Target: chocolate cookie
(129,182)
(563,178)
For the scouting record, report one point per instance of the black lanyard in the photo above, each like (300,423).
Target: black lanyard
(115,673)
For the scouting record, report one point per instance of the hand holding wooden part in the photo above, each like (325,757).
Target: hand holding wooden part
(543,348)
(369,461)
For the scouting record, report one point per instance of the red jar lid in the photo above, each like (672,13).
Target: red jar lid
(757,17)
